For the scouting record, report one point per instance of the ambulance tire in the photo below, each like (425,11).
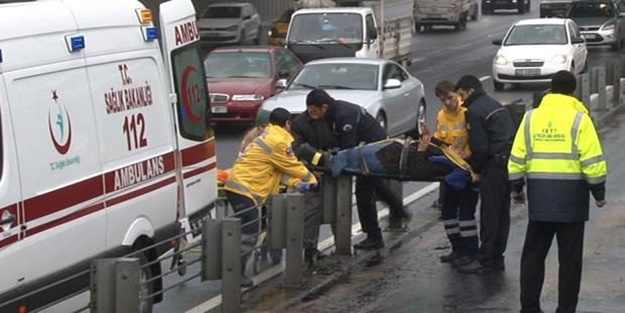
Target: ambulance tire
(145,289)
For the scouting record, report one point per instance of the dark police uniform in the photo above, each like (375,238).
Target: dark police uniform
(491,132)
(353,125)
(317,134)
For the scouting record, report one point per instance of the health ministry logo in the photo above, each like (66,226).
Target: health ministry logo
(59,125)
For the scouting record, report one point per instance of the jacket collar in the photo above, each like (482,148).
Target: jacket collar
(476,94)
(456,111)
(553,99)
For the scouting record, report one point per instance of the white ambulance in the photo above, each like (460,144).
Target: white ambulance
(105,145)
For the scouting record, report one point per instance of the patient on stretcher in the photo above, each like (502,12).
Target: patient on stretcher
(401,159)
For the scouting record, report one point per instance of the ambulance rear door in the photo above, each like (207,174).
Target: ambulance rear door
(196,140)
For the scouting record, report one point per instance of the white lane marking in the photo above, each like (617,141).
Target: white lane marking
(324,245)
(415,60)
(484,78)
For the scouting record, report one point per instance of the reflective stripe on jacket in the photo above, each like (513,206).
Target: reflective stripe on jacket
(451,128)
(558,151)
(267,162)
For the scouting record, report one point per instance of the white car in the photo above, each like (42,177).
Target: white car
(535,49)
(229,23)
(383,87)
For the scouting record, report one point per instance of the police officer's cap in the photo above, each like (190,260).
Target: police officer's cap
(563,82)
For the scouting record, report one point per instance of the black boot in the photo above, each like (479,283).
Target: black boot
(448,258)
(374,241)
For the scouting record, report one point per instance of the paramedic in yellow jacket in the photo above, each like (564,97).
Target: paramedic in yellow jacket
(458,206)
(557,152)
(258,172)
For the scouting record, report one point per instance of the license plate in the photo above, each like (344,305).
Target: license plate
(219,109)
(588,36)
(215,34)
(527,72)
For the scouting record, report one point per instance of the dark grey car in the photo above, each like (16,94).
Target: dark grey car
(602,22)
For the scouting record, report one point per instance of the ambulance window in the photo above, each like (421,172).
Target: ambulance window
(189,80)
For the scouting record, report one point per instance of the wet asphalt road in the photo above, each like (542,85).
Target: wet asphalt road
(440,54)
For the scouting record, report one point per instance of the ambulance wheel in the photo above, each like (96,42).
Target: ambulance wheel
(146,287)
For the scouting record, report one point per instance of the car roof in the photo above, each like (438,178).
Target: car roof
(226,4)
(350,60)
(543,21)
(247,49)
(331,10)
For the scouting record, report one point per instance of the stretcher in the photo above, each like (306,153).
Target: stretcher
(393,158)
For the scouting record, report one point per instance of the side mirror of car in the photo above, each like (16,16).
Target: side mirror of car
(283,74)
(281,83)
(392,83)
(373,34)
(577,40)
(247,17)
(497,42)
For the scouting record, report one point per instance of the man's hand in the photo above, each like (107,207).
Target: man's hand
(475,177)
(302,187)
(424,130)
(424,143)
(600,203)
(518,197)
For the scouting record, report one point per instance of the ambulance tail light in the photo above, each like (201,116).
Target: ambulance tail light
(144,15)
(149,33)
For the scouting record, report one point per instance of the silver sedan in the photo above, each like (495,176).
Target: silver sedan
(383,87)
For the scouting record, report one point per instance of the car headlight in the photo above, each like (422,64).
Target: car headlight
(559,59)
(501,60)
(232,28)
(247,98)
(269,33)
(608,27)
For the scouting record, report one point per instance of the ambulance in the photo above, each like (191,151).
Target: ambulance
(105,144)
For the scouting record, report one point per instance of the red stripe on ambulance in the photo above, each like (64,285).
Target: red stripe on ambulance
(198,153)
(200,170)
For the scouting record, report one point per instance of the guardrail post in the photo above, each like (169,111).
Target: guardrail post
(221,259)
(231,265)
(601,84)
(584,87)
(115,285)
(277,217)
(343,237)
(328,193)
(293,273)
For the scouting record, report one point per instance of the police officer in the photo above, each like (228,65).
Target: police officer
(558,152)
(318,135)
(352,125)
(490,138)
(266,163)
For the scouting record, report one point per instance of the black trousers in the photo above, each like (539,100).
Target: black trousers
(494,212)
(458,212)
(367,188)
(538,240)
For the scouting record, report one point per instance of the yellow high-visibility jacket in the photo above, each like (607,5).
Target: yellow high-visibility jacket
(267,163)
(451,128)
(565,100)
(557,150)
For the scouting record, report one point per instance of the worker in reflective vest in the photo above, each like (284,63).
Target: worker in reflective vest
(558,154)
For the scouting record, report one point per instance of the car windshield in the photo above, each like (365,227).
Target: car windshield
(238,65)
(537,35)
(591,9)
(337,76)
(326,28)
(222,12)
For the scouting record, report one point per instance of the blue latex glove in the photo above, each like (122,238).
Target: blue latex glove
(302,187)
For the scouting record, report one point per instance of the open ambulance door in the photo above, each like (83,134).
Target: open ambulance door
(190,101)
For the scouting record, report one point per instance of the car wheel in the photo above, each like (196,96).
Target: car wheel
(146,287)
(572,70)
(486,9)
(381,118)
(585,68)
(528,7)
(498,86)
(257,38)
(421,115)
(521,8)
(617,45)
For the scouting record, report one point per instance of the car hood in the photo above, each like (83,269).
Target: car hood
(240,86)
(295,100)
(217,23)
(533,52)
(593,21)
